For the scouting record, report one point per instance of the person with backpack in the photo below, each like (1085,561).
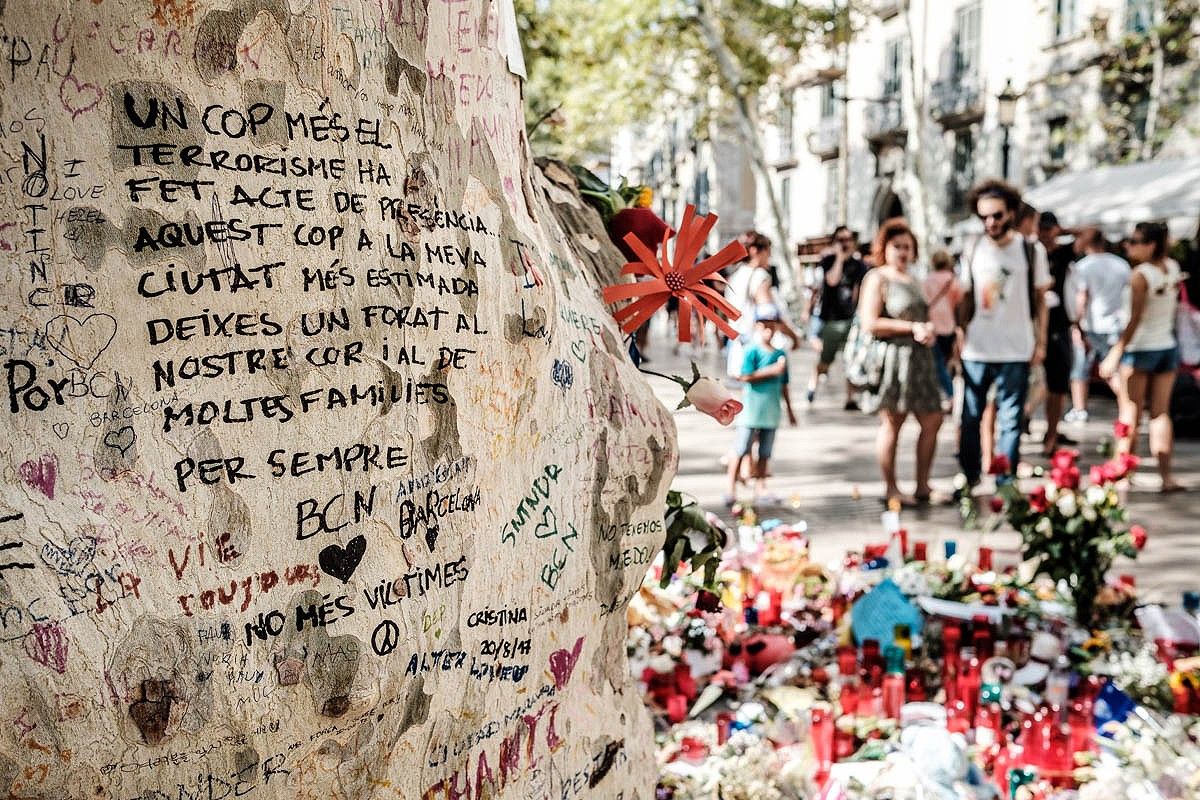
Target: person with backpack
(1002,321)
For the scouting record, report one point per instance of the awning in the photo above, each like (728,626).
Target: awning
(1116,197)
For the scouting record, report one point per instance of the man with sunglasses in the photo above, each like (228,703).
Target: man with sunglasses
(1002,323)
(833,303)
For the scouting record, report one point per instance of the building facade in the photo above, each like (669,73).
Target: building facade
(908,115)
(936,94)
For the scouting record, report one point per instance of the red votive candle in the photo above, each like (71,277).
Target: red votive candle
(677,708)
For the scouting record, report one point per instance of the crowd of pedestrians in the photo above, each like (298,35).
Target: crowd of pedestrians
(1022,320)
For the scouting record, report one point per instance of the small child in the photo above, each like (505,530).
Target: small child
(942,294)
(765,374)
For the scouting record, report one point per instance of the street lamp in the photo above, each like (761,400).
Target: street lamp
(1006,113)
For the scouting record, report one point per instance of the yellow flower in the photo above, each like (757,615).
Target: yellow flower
(644,198)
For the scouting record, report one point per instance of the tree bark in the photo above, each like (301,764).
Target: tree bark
(1157,70)
(916,114)
(747,120)
(309,493)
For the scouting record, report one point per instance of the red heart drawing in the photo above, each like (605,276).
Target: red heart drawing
(562,664)
(41,474)
(80,97)
(47,645)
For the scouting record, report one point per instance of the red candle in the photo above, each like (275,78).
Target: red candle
(724,723)
(849,697)
(822,740)
(985,559)
(676,708)
(920,551)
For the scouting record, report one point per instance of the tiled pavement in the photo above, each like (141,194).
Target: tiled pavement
(825,473)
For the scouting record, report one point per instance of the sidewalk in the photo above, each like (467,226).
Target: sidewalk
(826,475)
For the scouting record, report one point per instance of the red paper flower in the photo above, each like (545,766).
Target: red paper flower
(1137,534)
(679,276)
(1000,465)
(1120,429)
(1037,500)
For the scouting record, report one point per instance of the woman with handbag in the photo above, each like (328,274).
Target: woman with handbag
(892,311)
(1147,352)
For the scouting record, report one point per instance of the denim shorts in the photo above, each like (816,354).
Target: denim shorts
(1098,346)
(746,437)
(1153,361)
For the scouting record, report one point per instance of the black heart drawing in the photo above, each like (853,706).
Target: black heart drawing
(73,559)
(121,439)
(579,350)
(431,536)
(340,562)
(81,340)
(549,524)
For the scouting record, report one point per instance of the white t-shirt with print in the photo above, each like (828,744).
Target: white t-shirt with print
(1105,277)
(1002,328)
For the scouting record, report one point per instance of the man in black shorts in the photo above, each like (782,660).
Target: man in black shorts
(1059,351)
(832,305)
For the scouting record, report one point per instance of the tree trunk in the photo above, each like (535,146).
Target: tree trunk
(309,490)
(748,123)
(1158,67)
(916,113)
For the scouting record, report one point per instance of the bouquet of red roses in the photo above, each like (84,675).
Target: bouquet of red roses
(1073,531)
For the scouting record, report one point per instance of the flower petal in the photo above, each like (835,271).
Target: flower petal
(723,257)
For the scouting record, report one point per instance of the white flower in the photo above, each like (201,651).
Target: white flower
(1044,526)
(673,645)
(662,663)
(1096,495)
(960,481)
(1067,505)
(1089,513)
(1051,492)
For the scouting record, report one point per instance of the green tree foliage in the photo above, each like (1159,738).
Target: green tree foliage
(595,67)
(1130,85)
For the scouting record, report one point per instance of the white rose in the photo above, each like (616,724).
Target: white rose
(661,663)
(1096,495)
(1067,505)
(1051,492)
(673,645)
(1044,526)
(1089,513)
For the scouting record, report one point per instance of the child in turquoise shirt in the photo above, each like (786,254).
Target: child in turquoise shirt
(765,375)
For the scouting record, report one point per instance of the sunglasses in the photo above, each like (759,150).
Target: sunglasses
(844,240)
(989,217)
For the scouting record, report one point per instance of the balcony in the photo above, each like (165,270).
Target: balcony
(885,121)
(956,102)
(825,141)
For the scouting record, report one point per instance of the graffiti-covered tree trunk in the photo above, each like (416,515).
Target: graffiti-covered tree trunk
(325,472)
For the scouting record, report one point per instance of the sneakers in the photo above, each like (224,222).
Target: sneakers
(1076,416)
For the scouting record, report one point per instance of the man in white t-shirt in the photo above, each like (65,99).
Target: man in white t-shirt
(1003,320)
(1101,281)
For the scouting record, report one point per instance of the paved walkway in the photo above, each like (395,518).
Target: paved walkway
(825,473)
